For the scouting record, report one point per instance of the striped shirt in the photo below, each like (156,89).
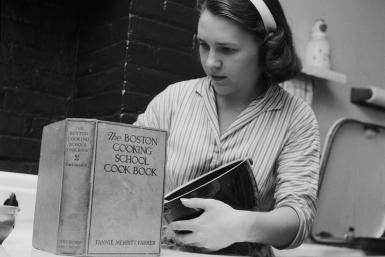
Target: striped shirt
(279,132)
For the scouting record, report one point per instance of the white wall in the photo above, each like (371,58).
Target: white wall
(356,31)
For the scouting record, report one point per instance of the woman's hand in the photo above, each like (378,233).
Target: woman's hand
(220,226)
(217,227)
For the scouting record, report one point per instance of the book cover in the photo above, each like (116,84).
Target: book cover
(232,183)
(100,189)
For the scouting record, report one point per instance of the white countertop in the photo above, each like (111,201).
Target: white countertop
(19,242)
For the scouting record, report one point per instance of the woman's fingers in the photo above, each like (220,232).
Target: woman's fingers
(183,225)
(198,203)
(187,238)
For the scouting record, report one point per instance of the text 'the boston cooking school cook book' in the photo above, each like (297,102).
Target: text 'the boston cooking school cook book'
(100,189)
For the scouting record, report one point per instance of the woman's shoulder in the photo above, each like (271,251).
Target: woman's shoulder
(175,93)
(188,86)
(296,107)
(298,113)
(291,100)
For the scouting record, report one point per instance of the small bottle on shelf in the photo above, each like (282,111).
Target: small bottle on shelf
(318,48)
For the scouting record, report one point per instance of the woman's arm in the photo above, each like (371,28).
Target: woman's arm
(220,225)
(277,227)
(297,170)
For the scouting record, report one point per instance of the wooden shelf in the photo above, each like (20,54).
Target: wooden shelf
(324,74)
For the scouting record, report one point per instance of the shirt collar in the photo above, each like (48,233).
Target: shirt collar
(203,85)
(272,100)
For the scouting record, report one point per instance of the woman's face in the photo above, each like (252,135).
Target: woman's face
(229,55)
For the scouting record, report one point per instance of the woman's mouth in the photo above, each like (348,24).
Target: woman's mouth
(217,78)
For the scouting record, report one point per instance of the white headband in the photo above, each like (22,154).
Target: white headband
(266,15)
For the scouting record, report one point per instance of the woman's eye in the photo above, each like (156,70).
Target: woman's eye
(203,45)
(227,50)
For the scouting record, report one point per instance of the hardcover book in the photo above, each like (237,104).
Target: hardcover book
(100,189)
(233,183)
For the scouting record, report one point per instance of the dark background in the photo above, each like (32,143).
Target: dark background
(91,59)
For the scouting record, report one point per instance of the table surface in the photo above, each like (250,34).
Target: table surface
(19,244)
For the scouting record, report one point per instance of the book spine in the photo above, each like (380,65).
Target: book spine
(74,207)
(48,194)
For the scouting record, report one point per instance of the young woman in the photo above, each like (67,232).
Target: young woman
(239,111)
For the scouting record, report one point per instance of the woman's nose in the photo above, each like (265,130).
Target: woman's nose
(212,61)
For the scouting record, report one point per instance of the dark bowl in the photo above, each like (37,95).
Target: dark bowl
(233,184)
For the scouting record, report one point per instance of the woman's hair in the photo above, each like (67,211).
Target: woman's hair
(278,59)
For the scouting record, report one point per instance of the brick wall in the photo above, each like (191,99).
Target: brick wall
(90,58)
(131,50)
(38,42)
